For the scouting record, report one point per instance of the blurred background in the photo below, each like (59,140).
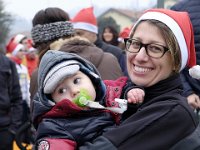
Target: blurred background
(16,15)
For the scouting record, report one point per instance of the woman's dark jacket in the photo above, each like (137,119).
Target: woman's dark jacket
(160,121)
(10,97)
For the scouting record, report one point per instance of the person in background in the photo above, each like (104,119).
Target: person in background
(10,103)
(191,85)
(17,55)
(85,25)
(32,60)
(160,45)
(49,25)
(31,55)
(69,107)
(20,39)
(110,35)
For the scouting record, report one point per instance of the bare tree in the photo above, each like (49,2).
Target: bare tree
(5,21)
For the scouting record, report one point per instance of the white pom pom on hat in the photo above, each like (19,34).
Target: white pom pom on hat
(195,72)
(181,26)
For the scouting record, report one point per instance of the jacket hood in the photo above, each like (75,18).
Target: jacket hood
(42,102)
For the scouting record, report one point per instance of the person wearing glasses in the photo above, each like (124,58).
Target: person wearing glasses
(160,45)
(73,104)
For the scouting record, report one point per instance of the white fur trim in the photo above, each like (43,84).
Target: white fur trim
(85,26)
(58,73)
(172,24)
(17,48)
(195,72)
(19,37)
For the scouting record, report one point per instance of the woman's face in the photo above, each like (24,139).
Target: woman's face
(107,35)
(142,69)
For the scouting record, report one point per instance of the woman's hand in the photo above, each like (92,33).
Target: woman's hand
(194,101)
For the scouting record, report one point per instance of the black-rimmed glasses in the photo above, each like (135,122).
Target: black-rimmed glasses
(152,50)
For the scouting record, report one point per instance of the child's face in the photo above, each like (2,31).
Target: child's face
(20,54)
(71,86)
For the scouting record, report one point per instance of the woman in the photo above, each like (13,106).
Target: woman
(110,35)
(49,25)
(160,45)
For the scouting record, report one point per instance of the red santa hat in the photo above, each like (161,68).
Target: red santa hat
(85,20)
(180,25)
(125,32)
(17,48)
(10,45)
(13,47)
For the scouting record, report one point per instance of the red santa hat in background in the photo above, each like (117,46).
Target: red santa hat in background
(85,20)
(17,48)
(124,33)
(10,45)
(13,47)
(180,24)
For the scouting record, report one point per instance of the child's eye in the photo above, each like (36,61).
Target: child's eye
(77,80)
(62,90)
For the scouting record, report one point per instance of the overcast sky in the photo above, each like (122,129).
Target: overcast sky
(27,8)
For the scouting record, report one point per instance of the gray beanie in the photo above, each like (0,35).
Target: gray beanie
(59,72)
(55,66)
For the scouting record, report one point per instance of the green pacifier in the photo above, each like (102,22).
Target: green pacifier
(82,99)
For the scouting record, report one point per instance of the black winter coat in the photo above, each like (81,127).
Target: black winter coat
(161,121)
(10,97)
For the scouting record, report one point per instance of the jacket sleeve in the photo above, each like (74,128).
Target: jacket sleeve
(16,99)
(101,143)
(55,143)
(132,108)
(187,89)
(52,134)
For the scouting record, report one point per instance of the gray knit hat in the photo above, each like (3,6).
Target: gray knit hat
(58,73)
(55,66)
(51,31)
